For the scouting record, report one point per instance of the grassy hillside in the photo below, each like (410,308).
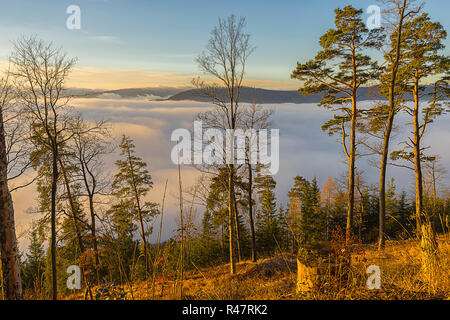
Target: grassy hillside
(275,278)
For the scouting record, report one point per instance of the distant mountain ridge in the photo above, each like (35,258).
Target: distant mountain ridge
(266,96)
(161,92)
(247,95)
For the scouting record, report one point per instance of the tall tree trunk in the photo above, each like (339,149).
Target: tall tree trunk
(91,193)
(238,233)
(417,160)
(55,174)
(139,209)
(75,218)
(76,221)
(383,168)
(433,181)
(361,216)
(382,189)
(181,275)
(387,135)
(250,211)
(94,237)
(230,219)
(12,282)
(351,173)
(222,242)
(72,208)
(144,241)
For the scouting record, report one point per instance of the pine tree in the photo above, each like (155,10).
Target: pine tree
(268,228)
(119,241)
(216,202)
(131,184)
(34,266)
(423,44)
(308,220)
(399,222)
(285,231)
(328,195)
(207,225)
(392,86)
(338,71)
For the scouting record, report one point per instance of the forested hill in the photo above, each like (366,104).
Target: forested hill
(157,92)
(264,96)
(249,95)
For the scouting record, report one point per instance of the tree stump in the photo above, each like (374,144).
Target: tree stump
(307,277)
(312,266)
(430,254)
(317,264)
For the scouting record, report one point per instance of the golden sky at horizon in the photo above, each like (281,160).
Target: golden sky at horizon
(97,78)
(114,78)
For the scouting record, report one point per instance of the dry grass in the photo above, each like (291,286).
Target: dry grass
(275,278)
(402,274)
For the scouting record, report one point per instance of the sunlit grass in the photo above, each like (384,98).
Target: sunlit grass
(275,278)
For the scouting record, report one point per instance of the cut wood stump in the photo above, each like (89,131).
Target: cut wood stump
(316,266)
(430,254)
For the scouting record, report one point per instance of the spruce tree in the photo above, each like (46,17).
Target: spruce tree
(308,220)
(131,184)
(268,228)
(34,267)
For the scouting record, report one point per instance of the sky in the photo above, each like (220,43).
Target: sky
(144,43)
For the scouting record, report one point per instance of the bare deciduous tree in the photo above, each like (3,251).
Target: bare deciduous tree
(89,149)
(40,71)
(225,59)
(254,117)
